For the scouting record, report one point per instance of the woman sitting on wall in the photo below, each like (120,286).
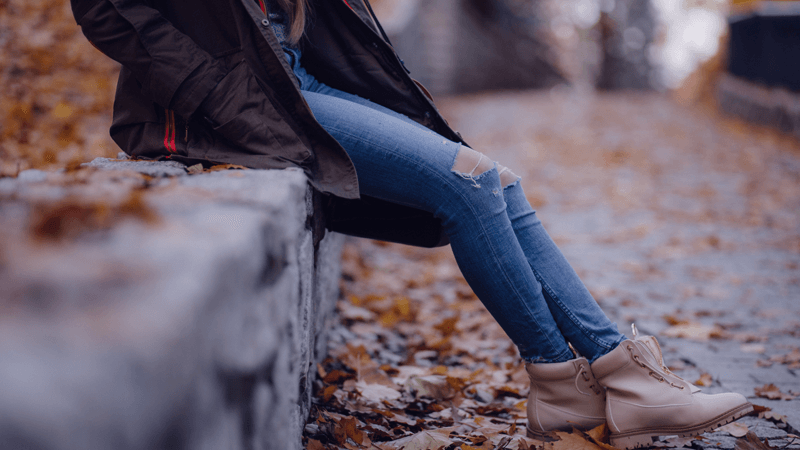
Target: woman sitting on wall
(315,84)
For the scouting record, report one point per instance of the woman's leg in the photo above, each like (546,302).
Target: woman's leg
(576,312)
(407,164)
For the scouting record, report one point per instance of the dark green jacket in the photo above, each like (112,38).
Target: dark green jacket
(206,81)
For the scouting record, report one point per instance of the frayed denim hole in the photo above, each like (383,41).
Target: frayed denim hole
(470,165)
(507,177)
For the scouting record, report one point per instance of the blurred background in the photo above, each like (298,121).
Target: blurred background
(57,90)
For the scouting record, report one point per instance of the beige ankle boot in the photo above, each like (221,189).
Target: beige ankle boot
(563,395)
(645,400)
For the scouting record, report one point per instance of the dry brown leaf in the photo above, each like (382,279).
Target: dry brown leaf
(351,426)
(328,392)
(772,392)
(705,380)
(773,416)
(336,376)
(448,326)
(695,331)
(751,442)
(195,169)
(434,386)
(217,167)
(753,348)
(376,393)
(792,359)
(314,444)
(424,440)
(599,435)
(735,429)
(571,441)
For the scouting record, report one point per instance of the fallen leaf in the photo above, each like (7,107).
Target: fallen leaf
(195,169)
(448,326)
(351,427)
(328,392)
(433,386)
(314,444)
(773,416)
(751,442)
(753,348)
(792,359)
(570,441)
(217,167)
(735,429)
(598,435)
(336,376)
(705,380)
(772,392)
(424,440)
(695,331)
(376,393)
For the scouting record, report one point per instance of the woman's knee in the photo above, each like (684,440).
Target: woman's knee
(507,177)
(471,164)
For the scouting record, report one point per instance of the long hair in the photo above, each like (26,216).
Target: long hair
(297,10)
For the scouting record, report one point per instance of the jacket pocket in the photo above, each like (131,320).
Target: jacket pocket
(239,112)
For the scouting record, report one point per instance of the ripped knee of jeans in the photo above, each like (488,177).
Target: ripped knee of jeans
(470,164)
(507,177)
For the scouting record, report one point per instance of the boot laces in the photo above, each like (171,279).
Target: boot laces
(651,372)
(587,379)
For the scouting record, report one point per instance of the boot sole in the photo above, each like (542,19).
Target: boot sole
(644,438)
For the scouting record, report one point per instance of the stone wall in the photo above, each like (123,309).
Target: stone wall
(147,308)
(772,106)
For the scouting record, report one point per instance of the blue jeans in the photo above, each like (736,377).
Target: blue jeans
(504,253)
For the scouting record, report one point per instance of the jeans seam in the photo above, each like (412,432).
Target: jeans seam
(472,211)
(598,341)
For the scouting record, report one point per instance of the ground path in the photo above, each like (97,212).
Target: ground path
(677,219)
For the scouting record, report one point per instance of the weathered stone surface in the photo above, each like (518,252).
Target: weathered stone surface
(152,168)
(159,313)
(757,103)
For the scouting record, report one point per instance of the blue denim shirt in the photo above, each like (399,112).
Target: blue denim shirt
(279,20)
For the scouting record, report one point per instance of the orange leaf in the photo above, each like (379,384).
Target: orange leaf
(571,441)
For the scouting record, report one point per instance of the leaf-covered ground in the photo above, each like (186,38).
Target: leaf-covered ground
(681,221)
(57,90)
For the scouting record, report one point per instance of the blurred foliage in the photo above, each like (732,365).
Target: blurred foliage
(57,89)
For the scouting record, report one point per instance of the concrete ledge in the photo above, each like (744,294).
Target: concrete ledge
(145,308)
(775,107)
